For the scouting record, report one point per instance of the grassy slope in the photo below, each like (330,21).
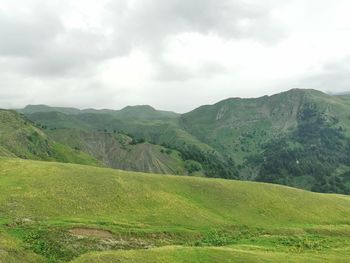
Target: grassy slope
(166,210)
(12,251)
(203,255)
(154,200)
(20,138)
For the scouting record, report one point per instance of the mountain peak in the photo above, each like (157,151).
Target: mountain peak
(138,107)
(304,91)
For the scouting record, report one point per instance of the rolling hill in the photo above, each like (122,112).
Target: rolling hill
(54,212)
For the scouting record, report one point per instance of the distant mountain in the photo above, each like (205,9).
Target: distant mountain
(132,112)
(298,138)
(44,108)
(144,112)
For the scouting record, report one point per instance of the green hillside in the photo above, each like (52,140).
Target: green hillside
(205,255)
(19,137)
(62,211)
(240,127)
(117,150)
(99,135)
(299,138)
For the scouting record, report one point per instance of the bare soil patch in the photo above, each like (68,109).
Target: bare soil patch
(90,232)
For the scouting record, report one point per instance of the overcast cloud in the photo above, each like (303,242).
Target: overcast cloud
(173,55)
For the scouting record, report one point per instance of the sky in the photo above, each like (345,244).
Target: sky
(174,55)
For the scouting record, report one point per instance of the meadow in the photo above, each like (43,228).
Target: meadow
(54,212)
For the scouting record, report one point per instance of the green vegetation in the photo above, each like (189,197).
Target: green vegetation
(298,138)
(316,149)
(55,212)
(193,166)
(99,136)
(205,255)
(19,137)
(59,212)
(121,151)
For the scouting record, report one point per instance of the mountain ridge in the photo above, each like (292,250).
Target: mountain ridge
(31,108)
(227,139)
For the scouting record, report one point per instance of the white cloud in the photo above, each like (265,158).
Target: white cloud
(175,54)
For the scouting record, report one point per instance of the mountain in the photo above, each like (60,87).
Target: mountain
(144,112)
(44,108)
(20,137)
(299,138)
(238,126)
(129,112)
(54,212)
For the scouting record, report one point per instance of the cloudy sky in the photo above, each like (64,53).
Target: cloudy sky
(173,54)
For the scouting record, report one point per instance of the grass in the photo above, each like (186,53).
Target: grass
(203,255)
(156,200)
(65,154)
(178,218)
(12,251)
(20,138)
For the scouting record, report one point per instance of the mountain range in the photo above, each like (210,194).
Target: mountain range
(299,138)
